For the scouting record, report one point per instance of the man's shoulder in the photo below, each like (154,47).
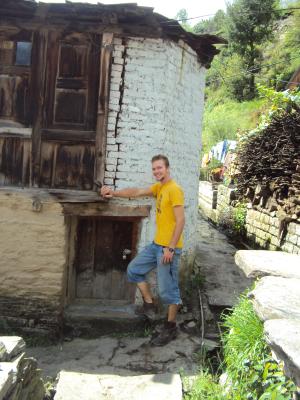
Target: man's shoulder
(175,186)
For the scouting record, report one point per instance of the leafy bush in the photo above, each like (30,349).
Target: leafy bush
(251,369)
(222,120)
(239,217)
(252,373)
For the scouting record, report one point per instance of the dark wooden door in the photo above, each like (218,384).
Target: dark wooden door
(69,124)
(103,247)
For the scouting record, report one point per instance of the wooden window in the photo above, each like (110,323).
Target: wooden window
(15,61)
(23,53)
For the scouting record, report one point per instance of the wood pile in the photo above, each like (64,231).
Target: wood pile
(269,168)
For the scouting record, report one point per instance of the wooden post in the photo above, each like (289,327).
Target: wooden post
(102,110)
(38,74)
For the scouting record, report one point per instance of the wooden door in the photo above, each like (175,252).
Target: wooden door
(69,124)
(103,247)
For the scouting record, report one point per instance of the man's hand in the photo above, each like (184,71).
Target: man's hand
(106,192)
(167,256)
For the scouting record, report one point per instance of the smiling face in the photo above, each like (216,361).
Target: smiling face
(160,172)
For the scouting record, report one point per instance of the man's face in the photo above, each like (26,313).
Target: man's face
(159,170)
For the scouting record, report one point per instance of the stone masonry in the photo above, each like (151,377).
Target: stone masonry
(262,228)
(156,104)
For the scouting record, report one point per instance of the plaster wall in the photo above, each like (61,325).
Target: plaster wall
(32,262)
(156,106)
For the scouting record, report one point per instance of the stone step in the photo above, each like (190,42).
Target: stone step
(95,319)
(258,263)
(284,337)
(79,386)
(276,297)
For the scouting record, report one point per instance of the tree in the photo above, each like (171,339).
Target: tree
(182,18)
(215,25)
(251,23)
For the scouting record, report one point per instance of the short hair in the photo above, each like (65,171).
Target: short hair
(161,157)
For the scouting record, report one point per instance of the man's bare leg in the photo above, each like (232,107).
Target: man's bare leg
(145,291)
(172,312)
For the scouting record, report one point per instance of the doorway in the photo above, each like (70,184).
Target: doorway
(104,248)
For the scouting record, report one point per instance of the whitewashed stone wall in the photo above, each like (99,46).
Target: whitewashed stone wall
(156,106)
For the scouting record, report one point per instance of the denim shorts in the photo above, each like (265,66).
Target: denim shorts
(167,274)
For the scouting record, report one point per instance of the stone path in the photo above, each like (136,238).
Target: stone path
(223,280)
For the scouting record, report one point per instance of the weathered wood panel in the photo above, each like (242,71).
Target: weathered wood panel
(15,157)
(103,100)
(67,166)
(100,263)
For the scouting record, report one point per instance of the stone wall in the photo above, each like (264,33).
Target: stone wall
(224,210)
(32,263)
(262,228)
(208,193)
(156,106)
(19,377)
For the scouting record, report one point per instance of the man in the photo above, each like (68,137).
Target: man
(164,252)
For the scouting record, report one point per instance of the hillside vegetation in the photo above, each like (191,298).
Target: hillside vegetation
(263,47)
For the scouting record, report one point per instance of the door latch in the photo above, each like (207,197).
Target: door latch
(126,253)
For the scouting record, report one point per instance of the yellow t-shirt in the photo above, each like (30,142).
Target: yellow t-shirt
(167,196)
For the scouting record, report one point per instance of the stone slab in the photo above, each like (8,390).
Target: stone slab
(276,297)
(78,386)
(10,347)
(257,263)
(284,337)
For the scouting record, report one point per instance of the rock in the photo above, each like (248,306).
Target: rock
(284,337)
(20,379)
(10,347)
(191,324)
(257,263)
(275,297)
(78,386)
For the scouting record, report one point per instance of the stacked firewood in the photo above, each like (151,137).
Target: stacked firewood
(269,168)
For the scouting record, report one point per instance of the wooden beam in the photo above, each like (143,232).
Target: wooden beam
(106,210)
(39,58)
(102,111)
(68,135)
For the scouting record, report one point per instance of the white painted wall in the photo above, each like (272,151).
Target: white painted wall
(160,111)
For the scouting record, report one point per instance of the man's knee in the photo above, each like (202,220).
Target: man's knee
(130,273)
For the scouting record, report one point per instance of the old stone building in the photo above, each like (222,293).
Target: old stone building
(88,94)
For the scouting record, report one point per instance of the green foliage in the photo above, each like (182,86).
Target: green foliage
(283,52)
(250,23)
(205,387)
(244,339)
(251,371)
(215,25)
(277,104)
(239,217)
(182,17)
(222,119)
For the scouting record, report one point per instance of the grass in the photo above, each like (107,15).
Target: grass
(205,387)
(223,119)
(251,371)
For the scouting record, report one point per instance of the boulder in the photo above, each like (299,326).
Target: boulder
(10,347)
(275,297)
(79,386)
(283,335)
(257,263)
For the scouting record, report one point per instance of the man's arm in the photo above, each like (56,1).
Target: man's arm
(180,220)
(107,192)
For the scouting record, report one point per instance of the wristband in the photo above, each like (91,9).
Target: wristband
(171,250)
